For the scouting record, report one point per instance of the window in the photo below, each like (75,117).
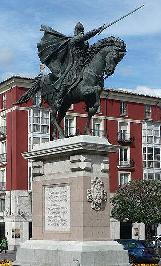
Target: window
(2,205)
(124,178)
(151,151)
(3,122)
(151,145)
(39,126)
(39,121)
(37,99)
(3,179)
(147,110)
(3,152)
(152,176)
(97,127)
(124,131)
(3,101)
(151,133)
(123,156)
(151,157)
(69,126)
(123,108)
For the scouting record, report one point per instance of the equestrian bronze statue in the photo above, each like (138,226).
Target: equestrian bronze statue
(78,70)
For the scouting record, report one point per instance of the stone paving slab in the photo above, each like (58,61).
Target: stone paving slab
(10,255)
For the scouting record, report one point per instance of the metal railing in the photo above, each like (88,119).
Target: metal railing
(126,164)
(124,137)
(98,133)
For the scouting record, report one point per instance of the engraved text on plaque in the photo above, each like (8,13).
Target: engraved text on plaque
(57,208)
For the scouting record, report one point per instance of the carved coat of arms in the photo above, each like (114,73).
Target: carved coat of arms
(97,195)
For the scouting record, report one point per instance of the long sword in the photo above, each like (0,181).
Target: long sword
(105,26)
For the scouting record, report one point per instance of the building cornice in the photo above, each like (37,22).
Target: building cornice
(121,95)
(71,146)
(15,81)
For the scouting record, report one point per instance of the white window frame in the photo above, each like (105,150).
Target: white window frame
(38,134)
(124,130)
(119,177)
(4,101)
(147,111)
(98,121)
(2,205)
(3,179)
(153,131)
(124,162)
(37,99)
(123,108)
(70,131)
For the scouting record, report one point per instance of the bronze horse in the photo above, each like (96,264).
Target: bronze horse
(104,56)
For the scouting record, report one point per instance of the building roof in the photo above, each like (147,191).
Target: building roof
(129,96)
(15,81)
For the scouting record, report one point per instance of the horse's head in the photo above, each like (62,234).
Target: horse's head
(114,52)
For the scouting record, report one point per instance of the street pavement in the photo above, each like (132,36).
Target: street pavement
(10,255)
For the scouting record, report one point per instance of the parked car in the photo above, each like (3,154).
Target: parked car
(140,251)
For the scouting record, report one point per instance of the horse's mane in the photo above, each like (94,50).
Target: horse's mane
(110,41)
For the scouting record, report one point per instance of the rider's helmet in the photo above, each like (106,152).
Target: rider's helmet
(79,28)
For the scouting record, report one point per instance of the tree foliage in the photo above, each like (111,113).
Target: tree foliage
(138,201)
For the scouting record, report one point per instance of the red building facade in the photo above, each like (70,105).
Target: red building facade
(128,120)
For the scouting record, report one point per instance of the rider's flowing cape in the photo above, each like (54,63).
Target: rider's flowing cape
(53,45)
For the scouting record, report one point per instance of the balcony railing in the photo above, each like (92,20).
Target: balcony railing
(72,131)
(124,138)
(126,164)
(3,158)
(98,133)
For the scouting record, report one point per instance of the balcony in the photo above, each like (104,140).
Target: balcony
(3,158)
(124,138)
(125,165)
(2,133)
(72,131)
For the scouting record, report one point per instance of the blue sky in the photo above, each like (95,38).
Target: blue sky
(140,70)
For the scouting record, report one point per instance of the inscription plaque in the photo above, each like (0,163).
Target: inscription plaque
(57,208)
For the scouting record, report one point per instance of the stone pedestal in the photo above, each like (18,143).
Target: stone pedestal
(71,212)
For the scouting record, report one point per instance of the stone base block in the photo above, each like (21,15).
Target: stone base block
(71,253)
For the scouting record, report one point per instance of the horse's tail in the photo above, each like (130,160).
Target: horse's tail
(31,92)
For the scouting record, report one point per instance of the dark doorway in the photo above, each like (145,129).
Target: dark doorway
(2,230)
(125,230)
(30,230)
